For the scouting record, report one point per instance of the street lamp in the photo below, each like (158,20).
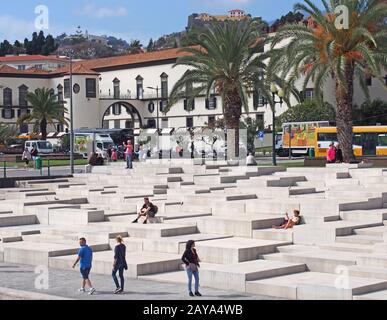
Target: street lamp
(280,94)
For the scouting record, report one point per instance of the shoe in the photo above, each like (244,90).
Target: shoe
(92,291)
(191,294)
(135,221)
(198,294)
(82,290)
(146,221)
(118,290)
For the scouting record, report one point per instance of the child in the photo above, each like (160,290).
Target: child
(114,156)
(290,223)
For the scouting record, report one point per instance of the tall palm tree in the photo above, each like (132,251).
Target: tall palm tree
(325,53)
(227,60)
(46,110)
(135,47)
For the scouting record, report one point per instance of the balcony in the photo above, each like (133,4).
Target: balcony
(147,96)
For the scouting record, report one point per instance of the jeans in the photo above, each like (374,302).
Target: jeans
(196,276)
(129,161)
(121,274)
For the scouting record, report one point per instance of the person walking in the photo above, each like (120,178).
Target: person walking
(119,265)
(85,257)
(192,265)
(26,157)
(129,154)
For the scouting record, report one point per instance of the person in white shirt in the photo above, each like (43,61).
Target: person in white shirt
(26,157)
(250,160)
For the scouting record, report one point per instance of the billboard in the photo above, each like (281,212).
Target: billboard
(301,134)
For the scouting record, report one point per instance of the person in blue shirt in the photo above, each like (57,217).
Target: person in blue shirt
(85,257)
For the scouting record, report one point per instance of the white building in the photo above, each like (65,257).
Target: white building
(115,93)
(40,62)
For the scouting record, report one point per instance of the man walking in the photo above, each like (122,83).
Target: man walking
(129,154)
(85,257)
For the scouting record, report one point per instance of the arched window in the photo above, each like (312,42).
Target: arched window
(116,88)
(60,92)
(140,87)
(7,97)
(164,86)
(23,91)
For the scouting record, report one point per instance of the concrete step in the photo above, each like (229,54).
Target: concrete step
(9,220)
(348,247)
(235,250)
(314,286)
(365,215)
(273,234)
(378,295)
(139,263)
(240,226)
(368,272)
(360,239)
(317,260)
(373,260)
(374,231)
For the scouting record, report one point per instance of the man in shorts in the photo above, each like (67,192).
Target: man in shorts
(85,257)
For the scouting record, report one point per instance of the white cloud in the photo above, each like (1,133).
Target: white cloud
(90,10)
(226,3)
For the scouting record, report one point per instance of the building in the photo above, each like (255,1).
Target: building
(120,92)
(203,20)
(40,62)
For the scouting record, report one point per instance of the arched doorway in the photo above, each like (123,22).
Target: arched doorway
(121,115)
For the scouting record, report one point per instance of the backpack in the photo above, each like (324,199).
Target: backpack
(156,209)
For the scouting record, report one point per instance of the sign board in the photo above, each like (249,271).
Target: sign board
(302,134)
(261,135)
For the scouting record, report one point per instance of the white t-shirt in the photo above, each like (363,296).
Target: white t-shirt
(250,160)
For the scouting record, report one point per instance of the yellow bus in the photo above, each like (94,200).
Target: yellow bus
(367,141)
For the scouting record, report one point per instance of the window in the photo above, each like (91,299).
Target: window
(91,88)
(105,124)
(67,89)
(24,128)
(163,105)
(128,124)
(189,102)
(116,88)
(60,92)
(39,66)
(211,120)
(140,88)
(189,122)
(151,107)
(7,97)
(22,112)
(164,86)
(117,109)
(8,113)
(327,137)
(382,140)
(309,94)
(152,124)
(369,81)
(164,123)
(23,90)
(117,124)
(21,67)
(259,118)
(76,88)
(211,103)
(258,100)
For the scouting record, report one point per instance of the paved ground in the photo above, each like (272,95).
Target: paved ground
(65,284)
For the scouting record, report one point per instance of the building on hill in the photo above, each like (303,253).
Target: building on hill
(204,19)
(25,62)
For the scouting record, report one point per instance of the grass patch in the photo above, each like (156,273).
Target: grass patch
(53,163)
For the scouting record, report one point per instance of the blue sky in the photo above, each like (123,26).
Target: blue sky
(128,19)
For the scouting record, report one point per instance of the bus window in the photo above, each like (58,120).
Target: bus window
(382,140)
(357,140)
(327,137)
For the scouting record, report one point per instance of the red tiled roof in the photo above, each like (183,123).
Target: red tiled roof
(10,70)
(36,57)
(78,68)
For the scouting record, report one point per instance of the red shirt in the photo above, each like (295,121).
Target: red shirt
(129,149)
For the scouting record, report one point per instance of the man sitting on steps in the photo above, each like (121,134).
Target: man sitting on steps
(148,210)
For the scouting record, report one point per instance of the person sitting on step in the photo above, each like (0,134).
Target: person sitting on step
(148,210)
(290,223)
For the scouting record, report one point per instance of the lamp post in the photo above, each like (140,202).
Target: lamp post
(280,94)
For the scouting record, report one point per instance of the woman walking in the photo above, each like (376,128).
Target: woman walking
(192,263)
(119,265)
(26,157)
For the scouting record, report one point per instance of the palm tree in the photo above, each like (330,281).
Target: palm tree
(46,110)
(228,61)
(325,52)
(7,132)
(135,47)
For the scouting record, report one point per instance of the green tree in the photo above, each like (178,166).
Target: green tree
(228,60)
(151,46)
(326,51)
(308,111)
(135,46)
(7,132)
(46,110)
(370,113)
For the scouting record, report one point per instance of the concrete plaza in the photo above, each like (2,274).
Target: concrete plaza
(338,252)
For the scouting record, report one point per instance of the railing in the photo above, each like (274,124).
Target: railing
(148,96)
(12,170)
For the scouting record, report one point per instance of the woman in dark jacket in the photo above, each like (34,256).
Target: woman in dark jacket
(192,263)
(119,265)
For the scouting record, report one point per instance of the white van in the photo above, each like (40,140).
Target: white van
(43,147)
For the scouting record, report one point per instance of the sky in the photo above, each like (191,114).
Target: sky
(126,19)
